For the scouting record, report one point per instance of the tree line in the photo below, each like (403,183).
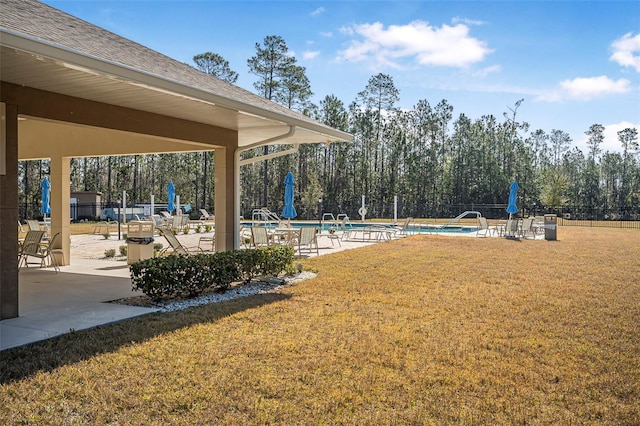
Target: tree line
(434,163)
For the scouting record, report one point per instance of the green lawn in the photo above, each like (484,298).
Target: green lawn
(423,330)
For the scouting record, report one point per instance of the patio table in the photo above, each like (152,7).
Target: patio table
(285,235)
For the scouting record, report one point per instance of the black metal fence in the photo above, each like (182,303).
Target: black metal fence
(567,216)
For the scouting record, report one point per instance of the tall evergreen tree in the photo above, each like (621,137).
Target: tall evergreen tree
(270,64)
(215,65)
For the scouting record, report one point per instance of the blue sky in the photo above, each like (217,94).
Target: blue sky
(575,63)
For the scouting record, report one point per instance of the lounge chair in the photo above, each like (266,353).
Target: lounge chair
(204,215)
(175,245)
(405,228)
(308,238)
(158,221)
(259,236)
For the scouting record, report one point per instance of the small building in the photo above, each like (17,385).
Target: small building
(86,205)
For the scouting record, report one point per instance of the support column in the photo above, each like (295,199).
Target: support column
(8,211)
(60,202)
(225,190)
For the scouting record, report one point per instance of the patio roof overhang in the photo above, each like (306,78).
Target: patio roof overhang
(36,64)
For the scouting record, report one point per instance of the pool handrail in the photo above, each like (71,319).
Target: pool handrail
(460,216)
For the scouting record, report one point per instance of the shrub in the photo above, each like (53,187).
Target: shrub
(170,276)
(110,253)
(123,250)
(106,235)
(249,262)
(276,259)
(224,269)
(188,276)
(207,228)
(198,229)
(186,229)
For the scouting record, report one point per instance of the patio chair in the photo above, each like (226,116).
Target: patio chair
(308,237)
(33,225)
(259,236)
(32,247)
(345,227)
(527,230)
(334,233)
(208,240)
(245,236)
(204,215)
(175,245)
(483,227)
(511,230)
(55,248)
(180,221)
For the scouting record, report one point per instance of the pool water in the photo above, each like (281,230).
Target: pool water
(448,229)
(451,229)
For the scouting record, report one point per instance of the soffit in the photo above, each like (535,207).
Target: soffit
(31,63)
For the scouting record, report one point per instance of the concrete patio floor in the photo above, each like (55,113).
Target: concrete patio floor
(52,304)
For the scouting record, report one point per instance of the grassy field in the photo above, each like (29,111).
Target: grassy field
(423,330)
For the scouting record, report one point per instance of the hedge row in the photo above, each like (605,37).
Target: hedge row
(188,276)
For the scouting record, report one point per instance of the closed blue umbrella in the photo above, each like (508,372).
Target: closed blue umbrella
(513,194)
(171,194)
(510,232)
(289,211)
(45,209)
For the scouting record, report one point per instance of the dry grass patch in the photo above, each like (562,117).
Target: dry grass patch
(423,330)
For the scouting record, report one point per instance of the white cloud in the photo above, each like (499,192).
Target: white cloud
(326,34)
(466,21)
(593,87)
(626,51)
(318,11)
(310,54)
(427,45)
(488,70)
(586,88)
(611,142)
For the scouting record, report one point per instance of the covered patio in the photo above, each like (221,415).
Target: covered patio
(72,89)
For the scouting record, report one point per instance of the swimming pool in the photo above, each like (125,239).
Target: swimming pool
(449,229)
(416,229)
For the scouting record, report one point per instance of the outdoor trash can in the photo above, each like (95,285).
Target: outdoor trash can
(139,241)
(550,227)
